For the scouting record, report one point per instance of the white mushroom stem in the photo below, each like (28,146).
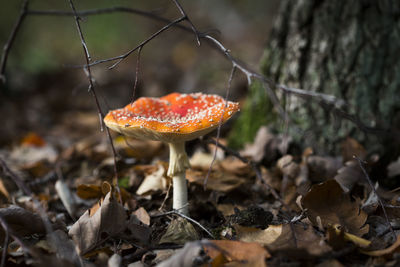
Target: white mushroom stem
(178,163)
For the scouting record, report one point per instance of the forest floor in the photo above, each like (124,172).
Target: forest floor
(268,204)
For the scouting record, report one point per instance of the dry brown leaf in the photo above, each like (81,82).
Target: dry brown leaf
(142,216)
(348,175)
(202,160)
(235,166)
(322,168)
(238,253)
(32,139)
(218,180)
(139,149)
(154,182)
(281,237)
(327,204)
(183,257)
(179,231)
(350,147)
(108,220)
(288,167)
(266,146)
(21,221)
(88,191)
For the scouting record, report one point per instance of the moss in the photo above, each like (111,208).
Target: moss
(257,111)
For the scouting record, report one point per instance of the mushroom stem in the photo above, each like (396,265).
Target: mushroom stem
(178,163)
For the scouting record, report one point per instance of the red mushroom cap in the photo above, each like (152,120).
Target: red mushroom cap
(172,118)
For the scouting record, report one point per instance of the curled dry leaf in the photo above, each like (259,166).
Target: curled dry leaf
(328,205)
(154,182)
(21,222)
(348,175)
(266,147)
(284,237)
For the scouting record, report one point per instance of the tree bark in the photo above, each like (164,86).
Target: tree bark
(349,49)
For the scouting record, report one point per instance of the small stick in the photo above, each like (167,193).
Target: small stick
(183,13)
(11,39)
(219,127)
(93,92)
(361,163)
(136,74)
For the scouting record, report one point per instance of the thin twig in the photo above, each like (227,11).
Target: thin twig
(136,74)
(219,126)
(93,92)
(188,20)
(5,245)
(11,39)
(361,163)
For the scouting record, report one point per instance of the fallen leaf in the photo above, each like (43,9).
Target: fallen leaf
(202,160)
(350,147)
(282,237)
(266,146)
(142,216)
(154,182)
(33,139)
(235,166)
(139,149)
(21,221)
(288,167)
(322,168)
(326,203)
(218,180)
(88,191)
(179,231)
(108,221)
(348,175)
(237,253)
(186,256)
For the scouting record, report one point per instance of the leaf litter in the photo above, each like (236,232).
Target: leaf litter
(329,208)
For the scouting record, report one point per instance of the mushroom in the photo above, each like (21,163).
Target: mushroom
(173,119)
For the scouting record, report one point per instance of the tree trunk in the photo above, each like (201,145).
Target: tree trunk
(349,49)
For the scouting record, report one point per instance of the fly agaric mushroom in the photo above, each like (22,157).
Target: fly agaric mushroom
(173,119)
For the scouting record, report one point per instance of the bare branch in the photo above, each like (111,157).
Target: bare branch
(11,39)
(93,91)
(188,20)
(136,74)
(125,55)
